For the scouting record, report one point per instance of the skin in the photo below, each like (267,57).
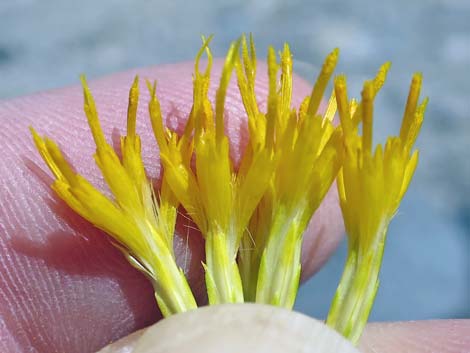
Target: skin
(63,286)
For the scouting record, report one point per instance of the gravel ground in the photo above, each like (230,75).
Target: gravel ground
(426,273)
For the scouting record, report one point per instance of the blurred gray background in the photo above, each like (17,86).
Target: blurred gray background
(426,272)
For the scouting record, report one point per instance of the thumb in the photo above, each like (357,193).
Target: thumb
(234,329)
(256,328)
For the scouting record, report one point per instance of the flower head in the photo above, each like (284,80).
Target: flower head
(219,198)
(304,144)
(140,224)
(371,184)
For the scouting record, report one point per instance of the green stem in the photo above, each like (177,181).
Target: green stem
(357,289)
(248,262)
(279,271)
(252,247)
(343,288)
(223,280)
(172,291)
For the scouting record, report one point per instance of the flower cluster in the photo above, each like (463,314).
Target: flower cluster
(253,215)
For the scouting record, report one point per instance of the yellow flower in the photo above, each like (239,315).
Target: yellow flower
(140,223)
(304,144)
(371,185)
(219,199)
